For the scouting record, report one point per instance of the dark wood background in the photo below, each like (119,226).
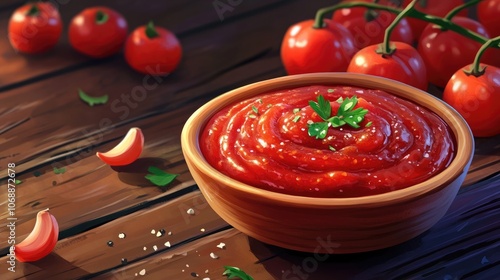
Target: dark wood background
(43,124)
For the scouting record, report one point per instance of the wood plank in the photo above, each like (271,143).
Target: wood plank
(464,243)
(69,261)
(20,69)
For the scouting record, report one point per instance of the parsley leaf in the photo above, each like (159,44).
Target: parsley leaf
(232,272)
(160,177)
(345,115)
(92,100)
(17,182)
(255,110)
(59,170)
(322,107)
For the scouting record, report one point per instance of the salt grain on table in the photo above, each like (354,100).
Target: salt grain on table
(190,211)
(221,246)
(158,234)
(121,235)
(153,231)
(213,256)
(142,272)
(155,247)
(167,243)
(144,248)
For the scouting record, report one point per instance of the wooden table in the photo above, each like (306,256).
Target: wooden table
(44,125)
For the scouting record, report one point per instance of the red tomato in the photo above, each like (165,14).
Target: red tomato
(346,14)
(369,31)
(431,7)
(476,99)
(305,49)
(444,52)
(98,32)
(404,64)
(153,50)
(488,13)
(35,28)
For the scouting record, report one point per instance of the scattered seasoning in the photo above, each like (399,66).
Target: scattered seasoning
(142,272)
(296,119)
(59,170)
(17,182)
(296,110)
(255,110)
(221,246)
(206,278)
(37,173)
(213,256)
(190,211)
(169,233)
(124,261)
(330,90)
(167,244)
(136,274)
(155,247)
(158,234)
(202,230)
(368,124)
(121,235)
(110,243)
(144,248)
(252,116)
(259,100)
(90,100)
(206,271)
(153,231)
(269,106)
(187,265)
(194,274)
(331,148)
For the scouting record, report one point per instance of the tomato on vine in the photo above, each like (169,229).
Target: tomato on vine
(445,51)
(98,32)
(35,28)
(367,26)
(474,91)
(307,48)
(153,50)
(431,7)
(488,13)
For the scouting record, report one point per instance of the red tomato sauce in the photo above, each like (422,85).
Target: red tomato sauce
(264,142)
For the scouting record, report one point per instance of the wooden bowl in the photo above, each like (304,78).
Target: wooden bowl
(329,225)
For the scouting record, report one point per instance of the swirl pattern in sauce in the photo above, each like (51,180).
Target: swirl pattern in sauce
(263,142)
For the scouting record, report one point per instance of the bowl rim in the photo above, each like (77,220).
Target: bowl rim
(463,151)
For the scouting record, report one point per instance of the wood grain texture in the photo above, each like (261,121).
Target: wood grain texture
(443,252)
(70,261)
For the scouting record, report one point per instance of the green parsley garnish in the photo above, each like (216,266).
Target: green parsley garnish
(330,90)
(296,110)
(255,110)
(345,115)
(59,170)
(232,272)
(296,119)
(92,100)
(160,177)
(17,182)
(368,124)
(340,100)
(259,100)
(331,148)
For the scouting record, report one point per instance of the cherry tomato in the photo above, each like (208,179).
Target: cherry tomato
(431,7)
(369,29)
(346,14)
(98,32)
(404,64)
(153,50)
(306,49)
(476,99)
(488,13)
(444,52)
(35,28)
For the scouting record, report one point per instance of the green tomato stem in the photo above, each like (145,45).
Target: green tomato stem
(442,22)
(458,9)
(385,47)
(476,69)
(151,30)
(33,11)
(101,17)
